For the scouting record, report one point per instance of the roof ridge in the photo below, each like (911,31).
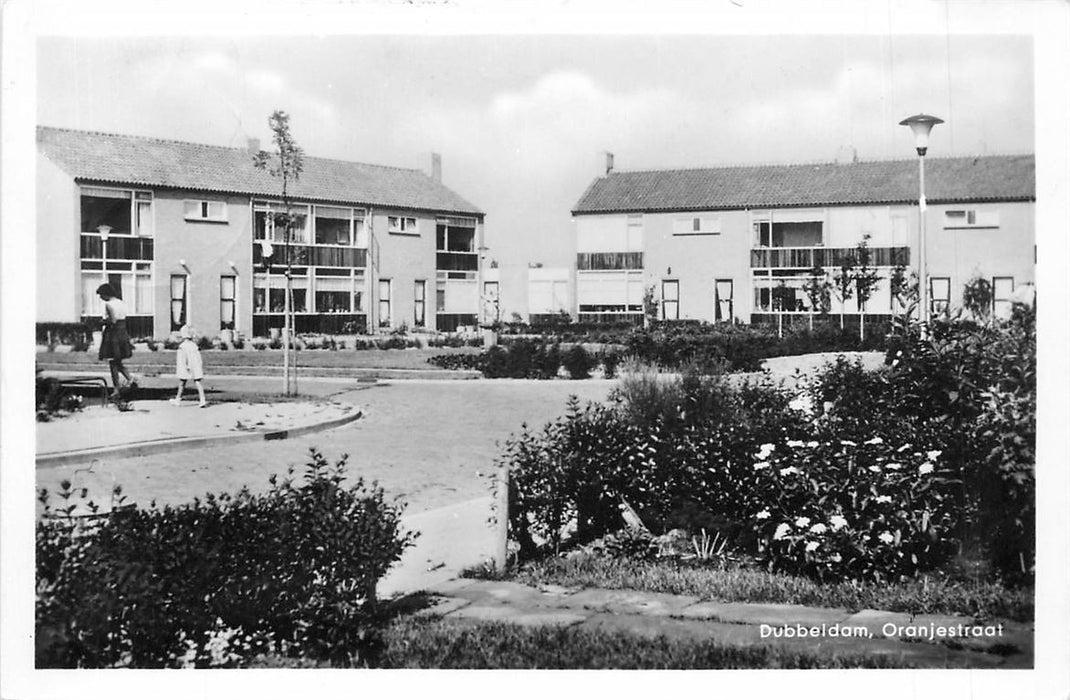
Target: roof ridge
(803,164)
(158,139)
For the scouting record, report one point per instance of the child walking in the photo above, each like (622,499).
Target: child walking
(188,366)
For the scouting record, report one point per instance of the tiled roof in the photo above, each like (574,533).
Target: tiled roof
(972,179)
(135,160)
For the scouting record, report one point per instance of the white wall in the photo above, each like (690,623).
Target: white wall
(58,244)
(607,234)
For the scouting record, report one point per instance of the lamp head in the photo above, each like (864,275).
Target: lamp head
(921,125)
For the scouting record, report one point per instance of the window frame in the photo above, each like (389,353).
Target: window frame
(184,317)
(996,301)
(205,207)
(973,218)
(385,319)
(419,303)
(666,301)
(933,311)
(717,301)
(136,197)
(232,300)
(398,225)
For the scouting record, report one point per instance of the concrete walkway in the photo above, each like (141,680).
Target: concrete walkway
(913,641)
(154,427)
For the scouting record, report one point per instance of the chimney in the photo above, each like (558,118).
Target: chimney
(609,162)
(254,146)
(436,167)
(847,154)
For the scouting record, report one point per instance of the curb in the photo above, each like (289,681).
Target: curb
(244,371)
(155,447)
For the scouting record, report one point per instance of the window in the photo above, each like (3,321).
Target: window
(269,292)
(722,300)
(206,210)
(269,223)
(670,299)
(384,303)
(337,225)
(403,224)
(228,290)
(798,230)
(939,294)
(334,295)
(970,218)
(178,301)
(696,226)
(440,296)
(455,235)
(116,212)
(1002,291)
(419,298)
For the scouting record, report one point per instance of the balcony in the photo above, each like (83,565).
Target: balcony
(326,255)
(117,247)
(806,258)
(456,261)
(609,261)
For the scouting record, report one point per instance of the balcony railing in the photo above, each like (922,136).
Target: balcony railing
(118,247)
(331,256)
(806,258)
(457,261)
(609,261)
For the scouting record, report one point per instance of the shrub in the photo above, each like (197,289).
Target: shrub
(291,571)
(578,362)
(610,362)
(863,475)
(205,343)
(238,342)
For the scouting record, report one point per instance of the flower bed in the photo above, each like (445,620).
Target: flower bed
(862,476)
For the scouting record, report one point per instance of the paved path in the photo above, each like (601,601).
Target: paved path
(157,426)
(830,632)
(430,443)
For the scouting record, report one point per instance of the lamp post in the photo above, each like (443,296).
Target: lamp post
(921,125)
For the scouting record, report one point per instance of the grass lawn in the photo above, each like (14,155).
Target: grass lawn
(164,360)
(749,585)
(440,644)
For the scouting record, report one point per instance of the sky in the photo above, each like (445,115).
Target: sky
(523,122)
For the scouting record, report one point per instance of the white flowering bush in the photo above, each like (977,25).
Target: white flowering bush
(841,509)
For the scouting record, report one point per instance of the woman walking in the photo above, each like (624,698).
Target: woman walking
(115,342)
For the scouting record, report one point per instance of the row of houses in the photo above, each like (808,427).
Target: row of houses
(187,234)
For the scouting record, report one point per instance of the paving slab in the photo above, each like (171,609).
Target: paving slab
(441,607)
(764,613)
(517,616)
(629,602)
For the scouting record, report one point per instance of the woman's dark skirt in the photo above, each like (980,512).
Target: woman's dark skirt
(115,342)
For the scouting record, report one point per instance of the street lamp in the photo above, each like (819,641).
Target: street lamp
(921,125)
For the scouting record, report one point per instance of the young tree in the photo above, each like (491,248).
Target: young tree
(844,280)
(286,163)
(977,297)
(818,290)
(650,306)
(867,280)
(904,289)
